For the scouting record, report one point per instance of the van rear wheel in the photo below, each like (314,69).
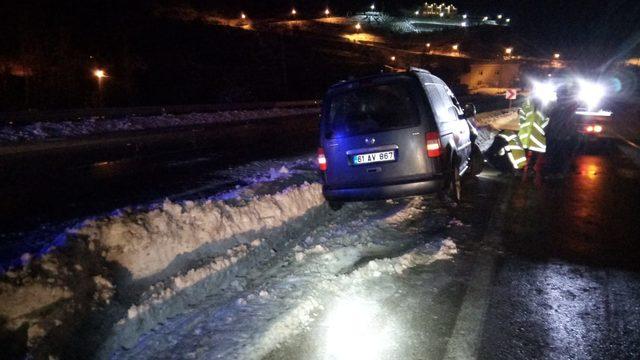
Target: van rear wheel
(335,205)
(454,189)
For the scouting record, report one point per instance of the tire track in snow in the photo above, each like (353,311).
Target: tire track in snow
(287,297)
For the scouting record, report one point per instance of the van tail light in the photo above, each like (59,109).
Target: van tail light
(589,128)
(434,148)
(597,128)
(322,160)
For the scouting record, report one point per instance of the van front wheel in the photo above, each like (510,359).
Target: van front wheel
(477,160)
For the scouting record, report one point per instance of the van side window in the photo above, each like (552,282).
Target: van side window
(438,103)
(454,101)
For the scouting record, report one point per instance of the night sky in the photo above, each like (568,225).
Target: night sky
(582,26)
(61,41)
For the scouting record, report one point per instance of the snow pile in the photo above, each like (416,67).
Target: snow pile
(146,243)
(17,302)
(177,244)
(94,125)
(165,290)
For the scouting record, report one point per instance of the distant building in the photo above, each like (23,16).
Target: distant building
(496,75)
(14,68)
(633,62)
(439,10)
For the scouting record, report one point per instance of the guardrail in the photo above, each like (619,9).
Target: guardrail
(31,116)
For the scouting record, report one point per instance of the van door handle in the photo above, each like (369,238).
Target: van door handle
(374,170)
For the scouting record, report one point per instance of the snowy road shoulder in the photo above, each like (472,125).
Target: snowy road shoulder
(93,126)
(105,265)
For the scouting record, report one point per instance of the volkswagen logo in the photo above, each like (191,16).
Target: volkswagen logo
(370,141)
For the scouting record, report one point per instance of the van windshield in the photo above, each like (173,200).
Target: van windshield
(373,108)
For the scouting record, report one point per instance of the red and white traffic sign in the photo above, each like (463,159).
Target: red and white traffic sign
(511,94)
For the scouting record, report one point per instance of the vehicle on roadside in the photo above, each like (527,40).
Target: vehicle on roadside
(395,135)
(593,126)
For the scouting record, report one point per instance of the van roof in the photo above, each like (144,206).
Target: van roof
(425,77)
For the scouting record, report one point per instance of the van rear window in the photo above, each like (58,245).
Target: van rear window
(373,108)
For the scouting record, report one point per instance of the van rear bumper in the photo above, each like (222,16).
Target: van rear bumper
(384,191)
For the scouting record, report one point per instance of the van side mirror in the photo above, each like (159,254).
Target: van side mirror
(469,110)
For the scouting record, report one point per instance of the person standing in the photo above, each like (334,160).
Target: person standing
(532,134)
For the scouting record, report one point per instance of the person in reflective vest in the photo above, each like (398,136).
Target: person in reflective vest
(513,149)
(532,134)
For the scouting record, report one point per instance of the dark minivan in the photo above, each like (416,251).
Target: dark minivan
(394,135)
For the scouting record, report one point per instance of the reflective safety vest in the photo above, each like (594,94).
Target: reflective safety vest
(513,150)
(532,125)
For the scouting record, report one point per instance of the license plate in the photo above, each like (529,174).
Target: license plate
(376,157)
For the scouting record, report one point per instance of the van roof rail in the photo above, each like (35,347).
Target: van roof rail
(418,69)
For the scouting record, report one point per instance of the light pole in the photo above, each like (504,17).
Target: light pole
(100,74)
(508,51)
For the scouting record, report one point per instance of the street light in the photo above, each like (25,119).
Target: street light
(455,47)
(508,50)
(441,14)
(294,12)
(556,56)
(417,12)
(508,20)
(243,16)
(373,6)
(499,16)
(358,26)
(485,18)
(327,12)
(464,16)
(99,74)
(393,58)
(428,45)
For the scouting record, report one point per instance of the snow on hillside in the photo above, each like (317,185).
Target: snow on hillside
(92,126)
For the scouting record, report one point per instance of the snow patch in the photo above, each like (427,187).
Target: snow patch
(420,256)
(95,125)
